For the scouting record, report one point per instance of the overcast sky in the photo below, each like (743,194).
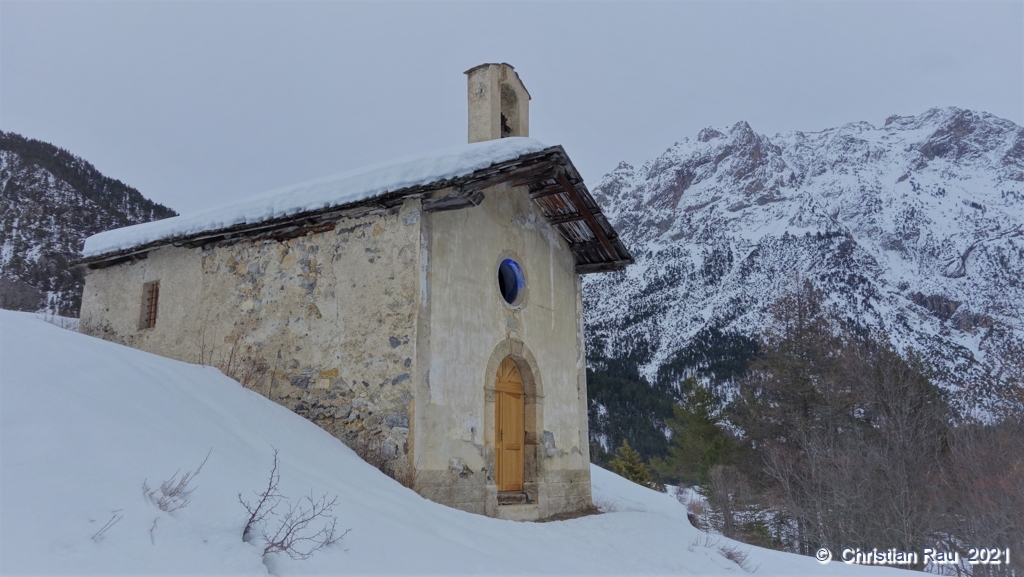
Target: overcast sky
(197,103)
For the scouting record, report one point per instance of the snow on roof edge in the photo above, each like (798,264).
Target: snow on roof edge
(347,187)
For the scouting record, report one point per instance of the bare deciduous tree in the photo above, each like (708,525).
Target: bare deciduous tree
(848,436)
(850,444)
(728,494)
(984,485)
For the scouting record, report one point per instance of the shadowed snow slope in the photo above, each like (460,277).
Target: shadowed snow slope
(85,422)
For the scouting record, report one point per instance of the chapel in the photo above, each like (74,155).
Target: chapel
(426,311)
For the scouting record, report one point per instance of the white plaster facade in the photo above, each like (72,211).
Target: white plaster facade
(468,329)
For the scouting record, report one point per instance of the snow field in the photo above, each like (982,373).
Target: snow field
(85,422)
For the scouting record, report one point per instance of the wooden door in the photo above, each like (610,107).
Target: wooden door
(509,427)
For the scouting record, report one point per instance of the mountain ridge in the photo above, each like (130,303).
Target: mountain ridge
(914,230)
(52,200)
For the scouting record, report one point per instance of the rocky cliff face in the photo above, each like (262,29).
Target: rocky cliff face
(50,201)
(914,230)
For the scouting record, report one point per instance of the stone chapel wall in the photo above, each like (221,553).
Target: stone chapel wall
(329,318)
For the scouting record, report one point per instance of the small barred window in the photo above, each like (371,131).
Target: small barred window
(150,296)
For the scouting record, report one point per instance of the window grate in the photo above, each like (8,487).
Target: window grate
(150,298)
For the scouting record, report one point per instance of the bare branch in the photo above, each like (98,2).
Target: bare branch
(290,537)
(266,503)
(174,492)
(113,521)
(292,533)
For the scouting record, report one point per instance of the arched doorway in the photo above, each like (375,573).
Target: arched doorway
(511,361)
(509,427)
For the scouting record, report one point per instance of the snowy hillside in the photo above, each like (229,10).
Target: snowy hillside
(50,201)
(85,422)
(915,231)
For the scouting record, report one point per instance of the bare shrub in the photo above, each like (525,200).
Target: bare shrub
(738,556)
(246,369)
(605,505)
(235,362)
(265,501)
(695,506)
(696,513)
(290,535)
(731,552)
(291,532)
(702,539)
(173,493)
(114,518)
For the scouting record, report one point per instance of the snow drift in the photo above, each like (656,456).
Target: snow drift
(85,422)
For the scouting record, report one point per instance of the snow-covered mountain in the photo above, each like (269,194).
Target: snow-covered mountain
(50,201)
(914,230)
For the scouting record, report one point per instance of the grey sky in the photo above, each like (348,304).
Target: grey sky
(197,103)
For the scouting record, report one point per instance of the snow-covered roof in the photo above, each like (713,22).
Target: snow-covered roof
(349,187)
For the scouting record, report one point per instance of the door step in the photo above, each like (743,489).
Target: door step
(530,512)
(512,498)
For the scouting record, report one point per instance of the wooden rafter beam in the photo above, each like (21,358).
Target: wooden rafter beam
(547,191)
(602,266)
(588,216)
(585,245)
(524,177)
(454,201)
(518,176)
(565,218)
(550,190)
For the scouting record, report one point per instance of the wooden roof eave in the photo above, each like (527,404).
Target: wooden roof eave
(548,174)
(603,251)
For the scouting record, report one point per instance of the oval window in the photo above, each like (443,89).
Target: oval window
(511,281)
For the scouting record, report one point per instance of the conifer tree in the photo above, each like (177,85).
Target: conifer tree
(698,443)
(627,463)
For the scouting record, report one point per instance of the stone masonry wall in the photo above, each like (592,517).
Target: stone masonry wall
(323,324)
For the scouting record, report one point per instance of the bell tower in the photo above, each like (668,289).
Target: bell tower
(499,104)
